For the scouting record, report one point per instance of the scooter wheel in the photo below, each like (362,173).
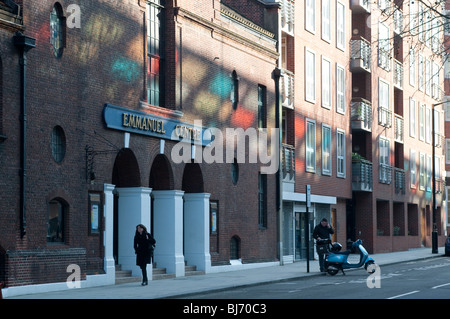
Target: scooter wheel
(369,267)
(333,271)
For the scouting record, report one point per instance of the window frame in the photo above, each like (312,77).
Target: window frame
(310,150)
(326,149)
(340,153)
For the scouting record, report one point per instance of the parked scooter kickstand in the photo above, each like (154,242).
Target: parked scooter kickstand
(336,260)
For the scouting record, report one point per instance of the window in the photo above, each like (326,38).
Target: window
(310,75)
(155,52)
(326,149)
(429,166)
(447,151)
(58,144)
(310,15)
(412,67)
(412,17)
(413,168)
(214,216)
(436,89)
(234,94)
(428,125)
(422,122)
(412,118)
(57,30)
(262,200)
(384,113)
(310,146)
(421,171)
(421,22)
(326,83)
(234,171)
(340,89)
(421,73)
(340,153)
(427,76)
(385,170)
(326,26)
(437,128)
(340,26)
(262,106)
(55,226)
(383,47)
(235,247)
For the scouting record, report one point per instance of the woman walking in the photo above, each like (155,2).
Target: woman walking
(143,247)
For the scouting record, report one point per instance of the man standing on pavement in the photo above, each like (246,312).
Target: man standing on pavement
(322,231)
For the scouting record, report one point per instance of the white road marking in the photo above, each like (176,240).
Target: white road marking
(406,294)
(440,286)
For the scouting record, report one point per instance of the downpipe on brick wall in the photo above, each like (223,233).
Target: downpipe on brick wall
(23,43)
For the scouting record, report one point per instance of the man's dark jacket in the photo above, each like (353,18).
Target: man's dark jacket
(322,232)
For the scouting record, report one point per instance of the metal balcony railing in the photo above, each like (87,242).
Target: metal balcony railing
(384,59)
(436,92)
(384,117)
(385,173)
(361,55)
(287,89)
(400,180)
(398,128)
(398,20)
(362,175)
(359,6)
(361,115)
(287,16)
(398,74)
(288,163)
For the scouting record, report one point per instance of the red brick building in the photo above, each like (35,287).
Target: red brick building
(111,89)
(397,79)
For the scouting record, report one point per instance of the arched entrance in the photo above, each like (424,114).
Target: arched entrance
(131,207)
(196,218)
(167,217)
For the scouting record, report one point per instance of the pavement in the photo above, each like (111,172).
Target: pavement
(212,282)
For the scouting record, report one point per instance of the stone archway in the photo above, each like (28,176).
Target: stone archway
(131,207)
(196,218)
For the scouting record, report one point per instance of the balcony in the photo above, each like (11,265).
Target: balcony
(436,92)
(360,6)
(288,163)
(385,173)
(361,119)
(398,74)
(362,178)
(384,117)
(398,21)
(439,140)
(361,55)
(398,128)
(400,180)
(287,16)
(287,89)
(384,58)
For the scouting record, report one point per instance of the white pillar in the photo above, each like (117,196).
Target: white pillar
(108,212)
(196,230)
(168,230)
(134,209)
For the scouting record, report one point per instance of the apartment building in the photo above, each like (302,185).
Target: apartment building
(316,93)
(397,98)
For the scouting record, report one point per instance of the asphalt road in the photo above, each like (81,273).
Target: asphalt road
(425,279)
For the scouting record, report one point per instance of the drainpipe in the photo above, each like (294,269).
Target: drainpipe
(24,44)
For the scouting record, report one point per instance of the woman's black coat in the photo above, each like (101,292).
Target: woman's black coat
(143,247)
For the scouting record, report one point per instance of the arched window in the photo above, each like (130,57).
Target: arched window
(57,30)
(234,96)
(235,247)
(57,210)
(58,144)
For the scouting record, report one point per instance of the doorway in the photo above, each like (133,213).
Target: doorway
(301,222)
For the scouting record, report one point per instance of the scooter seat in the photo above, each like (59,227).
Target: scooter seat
(348,252)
